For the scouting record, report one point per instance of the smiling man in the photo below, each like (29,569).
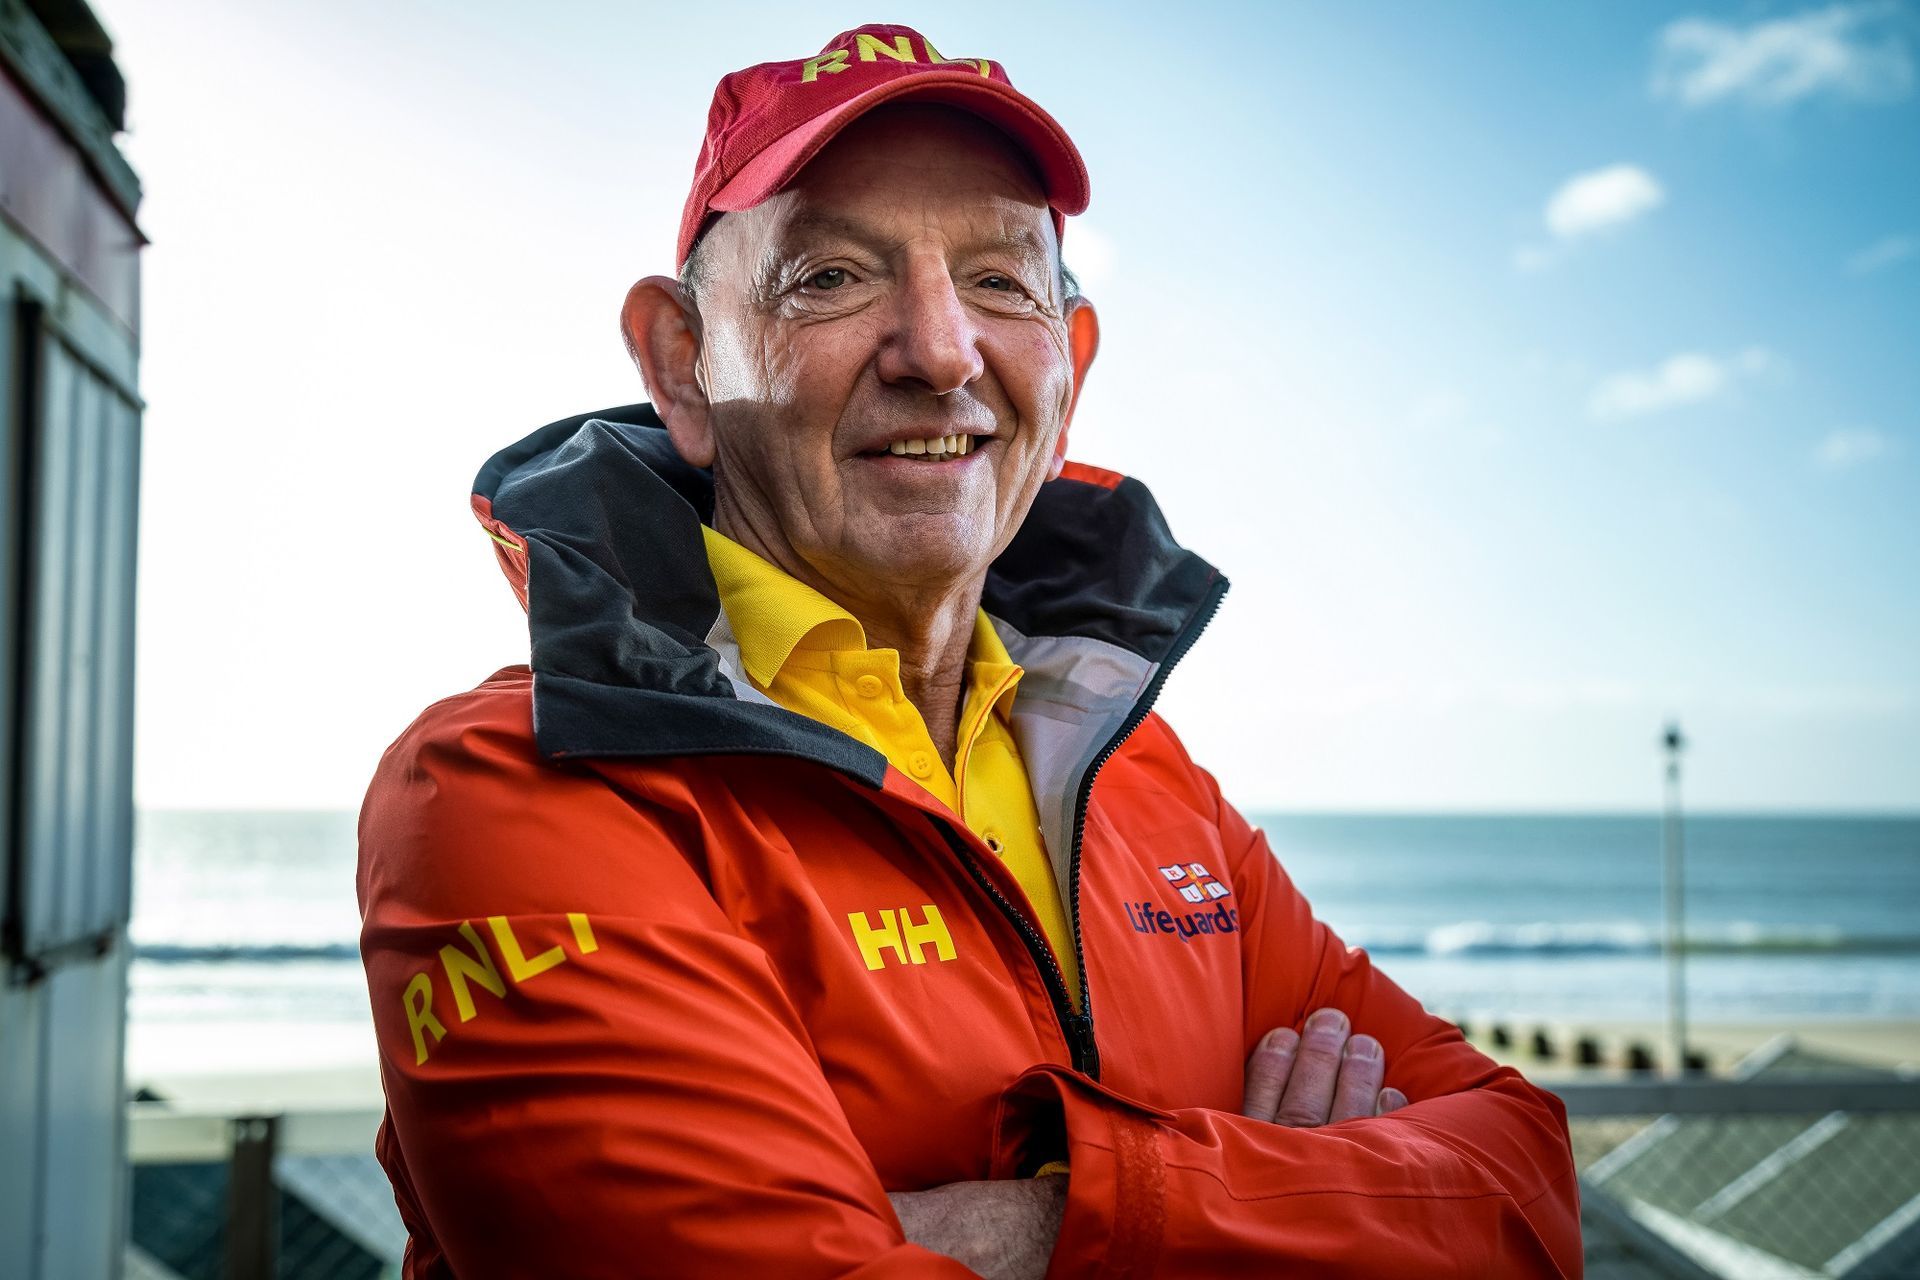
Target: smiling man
(825,898)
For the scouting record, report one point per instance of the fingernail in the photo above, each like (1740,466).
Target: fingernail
(1365,1047)
(1326,1021)
(1280,1040)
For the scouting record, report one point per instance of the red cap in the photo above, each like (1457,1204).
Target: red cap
(769,120)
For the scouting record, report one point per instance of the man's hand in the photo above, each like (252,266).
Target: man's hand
(1004,1230)
(1322,1077)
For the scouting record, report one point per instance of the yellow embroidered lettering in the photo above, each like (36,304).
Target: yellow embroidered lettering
(901,50)
(833,61)
(933,931)
(518,965)
(872,941)
(477,967)
(582,933)
(419,1005)
(979,64)
(898,933)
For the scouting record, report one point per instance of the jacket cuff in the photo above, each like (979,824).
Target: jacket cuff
(1116,1199)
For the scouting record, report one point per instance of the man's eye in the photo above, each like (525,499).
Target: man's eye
(831,278)
(998,282)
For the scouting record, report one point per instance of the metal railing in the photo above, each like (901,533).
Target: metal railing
(1769,1175)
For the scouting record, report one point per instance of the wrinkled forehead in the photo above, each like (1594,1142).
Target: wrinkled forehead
(899,173)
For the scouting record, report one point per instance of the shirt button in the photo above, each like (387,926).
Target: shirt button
(921,763)
(869,686)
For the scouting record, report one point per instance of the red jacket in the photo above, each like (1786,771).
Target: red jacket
(670,981)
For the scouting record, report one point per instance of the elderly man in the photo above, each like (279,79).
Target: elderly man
(825,899)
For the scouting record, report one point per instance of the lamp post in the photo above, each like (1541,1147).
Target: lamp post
(1675,941)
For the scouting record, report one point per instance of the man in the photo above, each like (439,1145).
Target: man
(796,915)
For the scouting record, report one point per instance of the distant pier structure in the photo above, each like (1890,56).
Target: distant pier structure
(69,477)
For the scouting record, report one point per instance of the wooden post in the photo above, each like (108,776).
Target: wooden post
(253,1219)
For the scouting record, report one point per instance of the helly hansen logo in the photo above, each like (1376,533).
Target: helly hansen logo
(1195,884)
(899,935)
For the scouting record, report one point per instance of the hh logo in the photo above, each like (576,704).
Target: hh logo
(898,933)
(1195,882)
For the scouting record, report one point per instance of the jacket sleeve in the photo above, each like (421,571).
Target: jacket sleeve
(589,1073)
(1474,1178)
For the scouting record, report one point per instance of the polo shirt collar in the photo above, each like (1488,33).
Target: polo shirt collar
(990,663)
(772,612)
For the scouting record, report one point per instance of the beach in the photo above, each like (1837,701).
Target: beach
(246,987)
(1881,1043)
(267,1088)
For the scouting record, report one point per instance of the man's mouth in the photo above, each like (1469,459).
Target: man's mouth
(932,448)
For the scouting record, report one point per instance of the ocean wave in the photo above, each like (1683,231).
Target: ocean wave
(244,953)
(1627,938)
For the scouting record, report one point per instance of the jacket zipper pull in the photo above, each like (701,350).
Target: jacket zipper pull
(1086,1054)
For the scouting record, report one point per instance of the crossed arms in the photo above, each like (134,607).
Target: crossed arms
(1005,1230)
(671,1084)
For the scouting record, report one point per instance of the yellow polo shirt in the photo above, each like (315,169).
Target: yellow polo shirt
(810,656)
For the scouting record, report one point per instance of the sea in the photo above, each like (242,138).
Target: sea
(245,924)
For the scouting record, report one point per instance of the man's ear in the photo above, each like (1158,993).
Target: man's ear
(662,329)
(1083,342)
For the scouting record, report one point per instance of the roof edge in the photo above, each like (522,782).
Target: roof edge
(37,60)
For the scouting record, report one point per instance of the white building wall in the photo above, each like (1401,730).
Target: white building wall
(69,464)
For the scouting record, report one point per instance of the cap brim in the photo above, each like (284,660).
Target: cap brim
(1054,156)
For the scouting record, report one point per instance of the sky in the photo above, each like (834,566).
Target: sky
(1536,373)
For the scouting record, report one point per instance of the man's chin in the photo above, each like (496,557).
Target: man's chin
(933,550)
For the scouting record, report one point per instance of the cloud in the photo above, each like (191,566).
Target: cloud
(1589,203)
(1885,252)
(1684,379)
(1850,447)
(1604,198)
(1847,50)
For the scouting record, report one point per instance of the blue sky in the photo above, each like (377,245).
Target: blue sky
(1535,372)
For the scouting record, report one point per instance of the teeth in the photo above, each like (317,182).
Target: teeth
(953,446)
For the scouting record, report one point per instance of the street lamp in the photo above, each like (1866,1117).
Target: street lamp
(1675,943)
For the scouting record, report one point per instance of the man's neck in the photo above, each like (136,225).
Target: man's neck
(931,631)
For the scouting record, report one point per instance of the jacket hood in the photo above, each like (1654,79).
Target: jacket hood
(596,522)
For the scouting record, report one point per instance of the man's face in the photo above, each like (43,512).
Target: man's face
(902,293)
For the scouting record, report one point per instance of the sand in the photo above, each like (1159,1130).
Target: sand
(1879,1043)
(1892,1043)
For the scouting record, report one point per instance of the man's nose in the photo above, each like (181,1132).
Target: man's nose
(934,341)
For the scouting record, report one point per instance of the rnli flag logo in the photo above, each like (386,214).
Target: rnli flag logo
(1198,888)
(1194,882)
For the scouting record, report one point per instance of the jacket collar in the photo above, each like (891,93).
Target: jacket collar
(597,522)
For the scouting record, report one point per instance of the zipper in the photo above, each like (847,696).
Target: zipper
(1076,1025)
(1080,1034)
